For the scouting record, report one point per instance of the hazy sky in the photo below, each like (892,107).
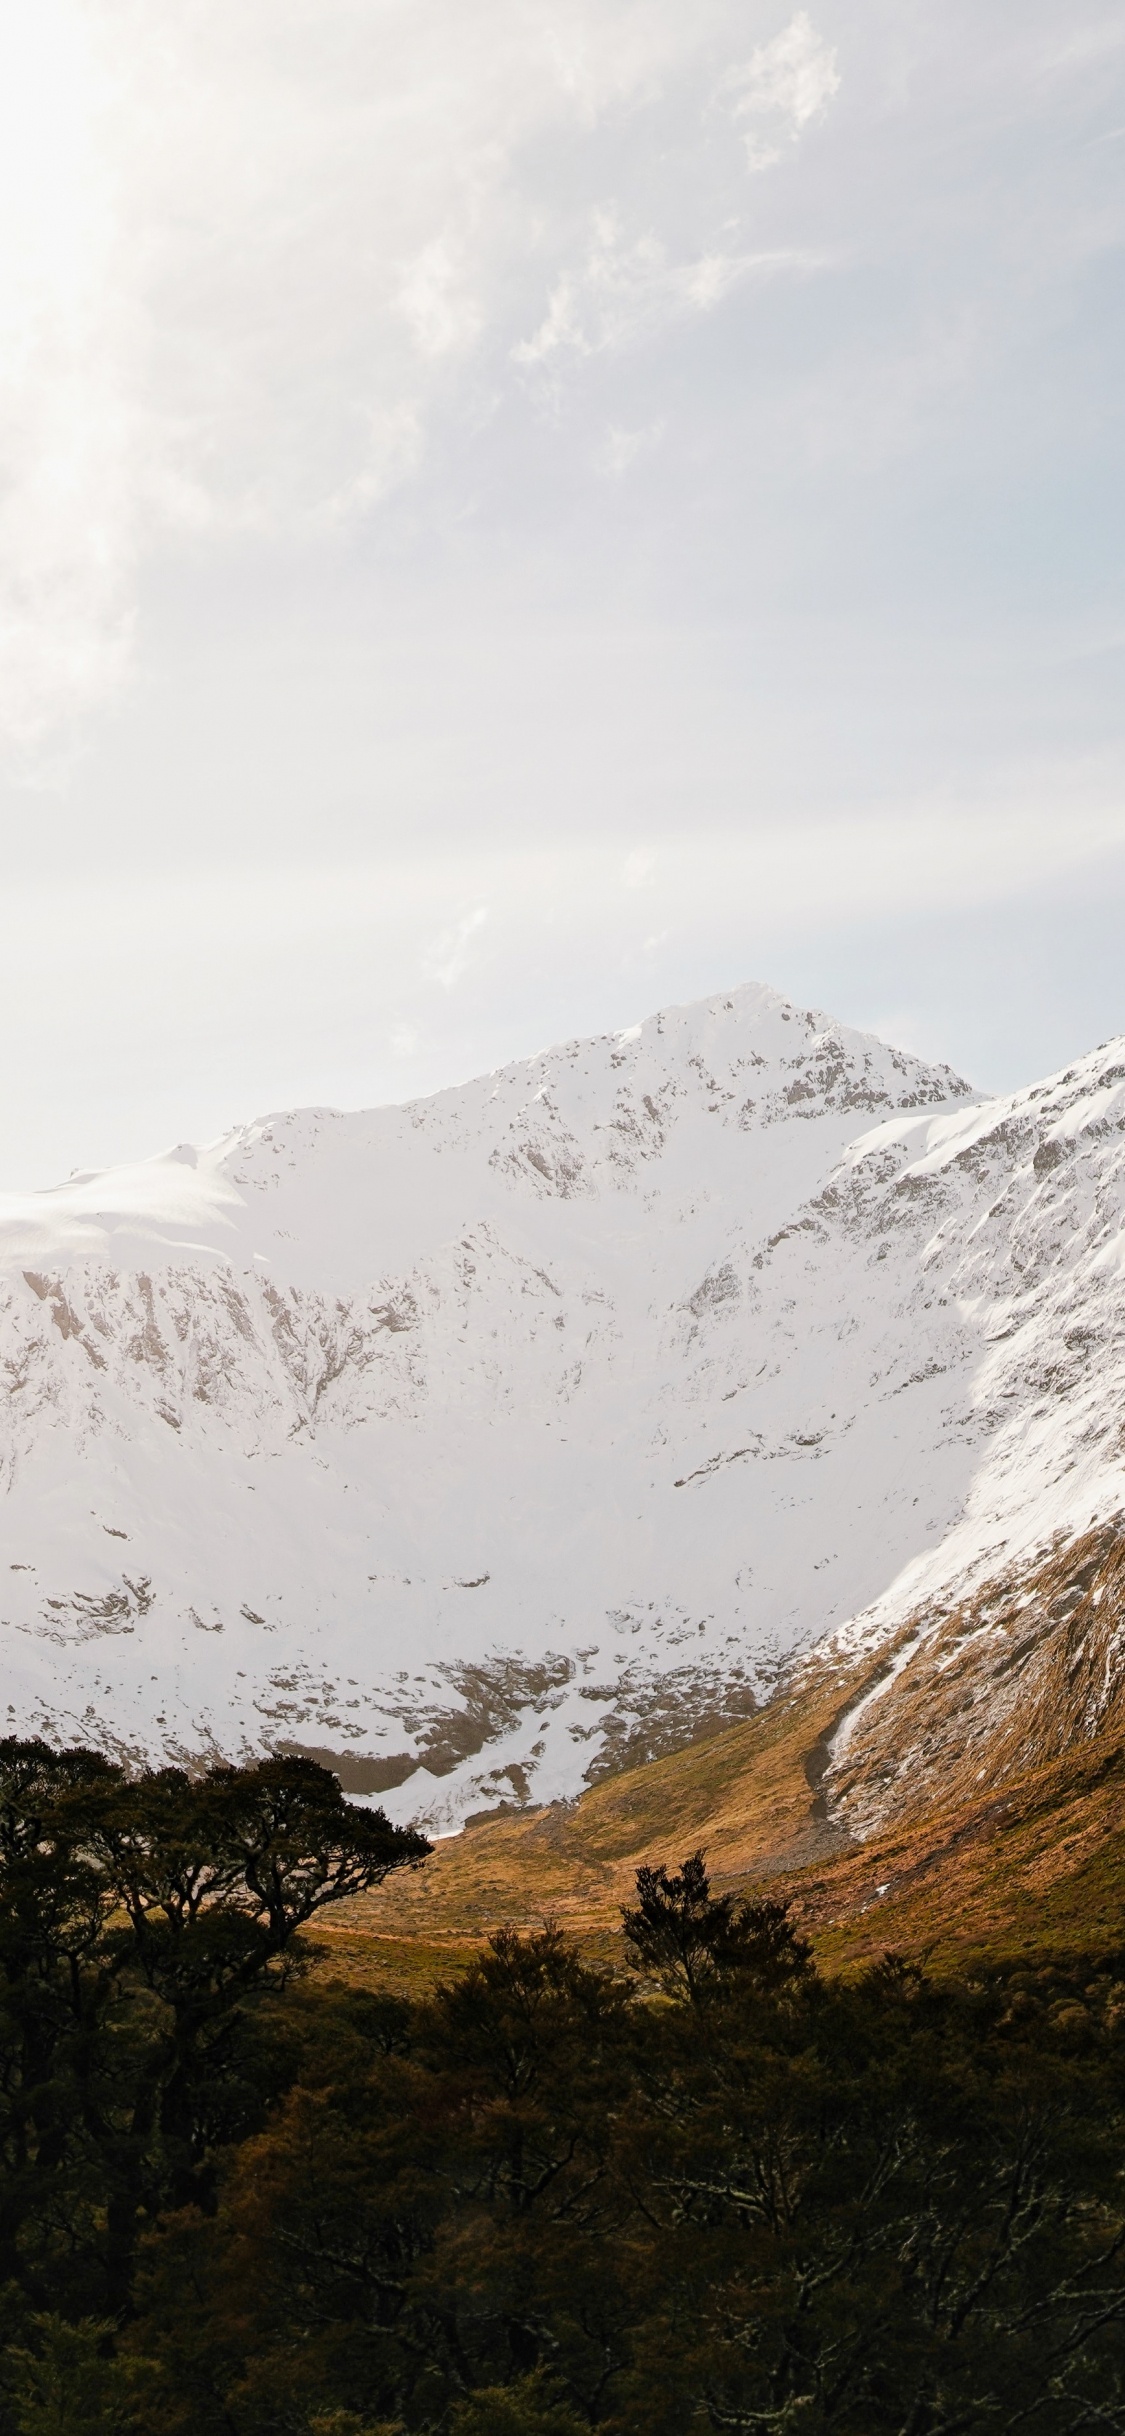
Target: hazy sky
(516,511)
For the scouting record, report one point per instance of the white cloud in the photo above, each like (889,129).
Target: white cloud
(620,449)
(391,449)
(262,270)
(784,87)
(244,252)
(627,287)
(247,256)
(436,300)
(447,959)
(66,419)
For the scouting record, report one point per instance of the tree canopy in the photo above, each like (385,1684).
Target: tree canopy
(715,2191)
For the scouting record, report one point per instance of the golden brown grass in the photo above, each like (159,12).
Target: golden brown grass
(1036,1866)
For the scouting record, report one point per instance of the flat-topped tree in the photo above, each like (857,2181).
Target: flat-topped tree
(268,1846)
(142,1922)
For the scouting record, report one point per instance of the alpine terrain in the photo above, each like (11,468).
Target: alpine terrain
(497,1442)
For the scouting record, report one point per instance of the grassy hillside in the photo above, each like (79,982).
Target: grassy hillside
(1035,1867)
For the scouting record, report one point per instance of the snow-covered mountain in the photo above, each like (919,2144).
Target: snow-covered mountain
(495,1439)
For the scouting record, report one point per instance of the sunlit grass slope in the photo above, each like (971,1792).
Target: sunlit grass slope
(1036,1867)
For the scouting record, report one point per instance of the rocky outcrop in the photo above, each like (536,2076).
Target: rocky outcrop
(980,1693)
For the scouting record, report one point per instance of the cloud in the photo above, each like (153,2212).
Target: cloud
(620,449)
(242,253)
(436,300)
(447,959)
(266,458)
(66,420)
(626,288)
(785,86)
(250,258)
(263,268)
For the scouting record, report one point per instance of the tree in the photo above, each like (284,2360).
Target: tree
(526,2409)
(142,1920)
(66,2383)
(690,1941)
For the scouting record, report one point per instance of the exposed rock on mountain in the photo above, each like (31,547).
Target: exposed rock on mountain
(981,1691)
(508,1437)
(1002,1648)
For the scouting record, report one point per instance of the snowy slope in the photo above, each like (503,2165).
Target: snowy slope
(1003,1644)
(501,1436)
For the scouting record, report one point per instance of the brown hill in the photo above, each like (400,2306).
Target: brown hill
(961,1789)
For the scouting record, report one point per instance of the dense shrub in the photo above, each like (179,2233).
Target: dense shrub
(720,2193)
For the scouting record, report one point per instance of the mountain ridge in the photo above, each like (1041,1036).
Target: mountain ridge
(589,1390)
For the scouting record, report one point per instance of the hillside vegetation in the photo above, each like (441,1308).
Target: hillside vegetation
(714,2187)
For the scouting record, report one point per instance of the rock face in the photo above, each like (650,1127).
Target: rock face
(1003,1647)
(495,1441)
(977,1692)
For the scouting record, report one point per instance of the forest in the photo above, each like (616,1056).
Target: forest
(710,2188)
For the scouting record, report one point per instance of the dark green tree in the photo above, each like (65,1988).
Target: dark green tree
(142,1922)
(690,1941)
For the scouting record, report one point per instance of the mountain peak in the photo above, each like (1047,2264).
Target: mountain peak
(587,1115)
(499,1438)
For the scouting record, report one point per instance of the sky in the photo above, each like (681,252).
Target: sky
(517,512)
